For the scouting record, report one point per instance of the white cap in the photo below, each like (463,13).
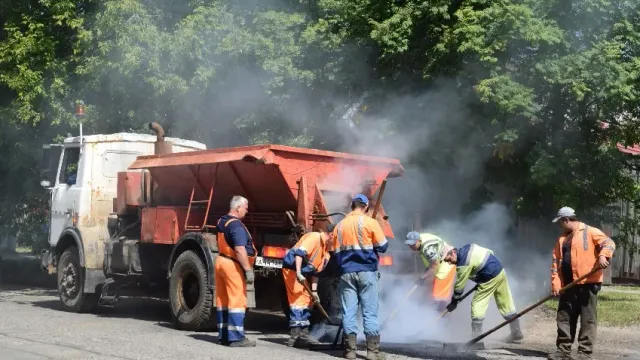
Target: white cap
(564,212)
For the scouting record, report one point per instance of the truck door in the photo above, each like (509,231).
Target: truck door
(66,193)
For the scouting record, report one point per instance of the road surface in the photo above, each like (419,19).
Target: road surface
(33,328)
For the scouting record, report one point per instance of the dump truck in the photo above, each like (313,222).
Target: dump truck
(135,215)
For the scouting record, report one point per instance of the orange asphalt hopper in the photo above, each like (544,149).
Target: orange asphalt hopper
(587,244)
(231,292)
(315,256)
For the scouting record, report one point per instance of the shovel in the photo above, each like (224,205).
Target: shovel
(469,343)
(315,302)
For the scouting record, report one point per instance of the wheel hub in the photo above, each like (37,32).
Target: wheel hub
(190,290)
(69,280)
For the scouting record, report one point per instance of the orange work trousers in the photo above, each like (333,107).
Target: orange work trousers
(231,300)
(300,302)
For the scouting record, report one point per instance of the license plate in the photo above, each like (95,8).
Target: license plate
(269,262)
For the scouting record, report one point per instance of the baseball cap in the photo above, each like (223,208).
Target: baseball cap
(564,212)
(361,198)
(412,238)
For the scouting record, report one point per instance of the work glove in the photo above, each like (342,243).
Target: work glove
(250,276)
(301,278)
(453,305)
(315,296)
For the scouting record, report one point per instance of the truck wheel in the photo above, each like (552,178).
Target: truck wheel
(191,300)
(71,284)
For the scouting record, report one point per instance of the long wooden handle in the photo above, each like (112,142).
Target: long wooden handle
(540,302)
(324,313)
(376,209)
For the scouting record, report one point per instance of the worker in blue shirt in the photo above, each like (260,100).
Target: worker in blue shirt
(233,273)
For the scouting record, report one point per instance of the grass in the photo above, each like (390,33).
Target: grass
(24,250)
(619,309)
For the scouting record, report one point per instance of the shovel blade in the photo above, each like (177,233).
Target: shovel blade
(323,332)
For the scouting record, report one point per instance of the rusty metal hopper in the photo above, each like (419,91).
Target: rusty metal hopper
(274,178)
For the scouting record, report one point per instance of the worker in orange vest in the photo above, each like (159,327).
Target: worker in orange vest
(233,272)
(359,239)
(307,258)
(578,250)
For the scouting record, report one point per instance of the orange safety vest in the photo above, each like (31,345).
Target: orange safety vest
(587,243)
(227,251)
(317,252)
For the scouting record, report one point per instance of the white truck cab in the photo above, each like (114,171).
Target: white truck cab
(81,176)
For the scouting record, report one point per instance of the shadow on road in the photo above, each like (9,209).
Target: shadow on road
(212,339)
(282,341)
(530,353)
(144,309)
(158,311)
(266,322)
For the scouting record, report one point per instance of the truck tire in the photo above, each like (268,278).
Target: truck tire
(191,300)
(71,284)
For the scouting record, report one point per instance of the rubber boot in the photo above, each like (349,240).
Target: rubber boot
(516,334)
(373,348)
(304,339)
(350,347)
(294,332)
(476,328)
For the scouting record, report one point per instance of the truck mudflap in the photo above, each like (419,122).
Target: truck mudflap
(46,263)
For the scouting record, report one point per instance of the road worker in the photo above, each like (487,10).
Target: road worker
(476,263)
(358,240)
(308,257)
(578,250)
(233,272)
(444,273)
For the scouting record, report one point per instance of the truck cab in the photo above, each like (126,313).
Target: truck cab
(81,176)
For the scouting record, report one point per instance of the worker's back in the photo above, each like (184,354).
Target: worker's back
(358,239)
(484,265)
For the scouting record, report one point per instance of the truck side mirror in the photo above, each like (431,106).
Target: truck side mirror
(49,166)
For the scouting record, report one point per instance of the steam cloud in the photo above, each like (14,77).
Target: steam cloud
(439,195)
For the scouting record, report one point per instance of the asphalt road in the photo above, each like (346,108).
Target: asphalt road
(33,328)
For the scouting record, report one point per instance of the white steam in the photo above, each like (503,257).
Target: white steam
(439,196)
(489,227)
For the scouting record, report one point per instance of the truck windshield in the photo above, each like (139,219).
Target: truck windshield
(70,165)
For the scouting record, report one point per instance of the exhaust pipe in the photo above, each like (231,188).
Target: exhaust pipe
(160,146)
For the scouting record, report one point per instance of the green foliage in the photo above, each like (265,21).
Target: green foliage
(531,82)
